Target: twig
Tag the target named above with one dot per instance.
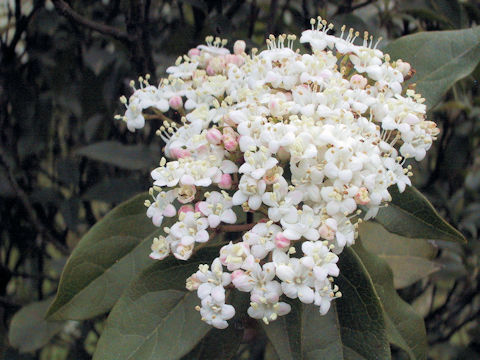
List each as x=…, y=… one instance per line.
x=236, y=227
x=64, y=9
x=28, y=206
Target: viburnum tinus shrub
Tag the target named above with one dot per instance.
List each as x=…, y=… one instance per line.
x=272, y=161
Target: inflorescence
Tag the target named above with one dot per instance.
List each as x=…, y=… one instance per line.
x=308, y=142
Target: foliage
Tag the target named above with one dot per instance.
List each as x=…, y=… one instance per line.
x=62, y=168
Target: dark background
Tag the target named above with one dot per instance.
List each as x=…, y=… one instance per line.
x=64, y=161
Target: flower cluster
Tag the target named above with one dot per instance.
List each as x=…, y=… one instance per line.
x=308, y=143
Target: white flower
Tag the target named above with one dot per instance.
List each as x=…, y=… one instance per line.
x=324, y=295
x=190, y=228
x=162, y=206
x=217, y=208
x=320, y=259
x=233, y=255
x=249, y=190
x=257, y=163
x=168, y=174
x=216, y=313
x=209, y=280
x=160, y=247
x=268, y=311
x=297, y=281
x=261, y=239
x=305, y=223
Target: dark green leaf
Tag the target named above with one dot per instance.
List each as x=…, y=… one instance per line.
x=353, y=328
x=405, y=328
x=155, y=318
x=440, y=58
x=411, y=215
x=114, y=190
x=131, y=157
x=409, y=259
x=29, y=331
x=107, y=258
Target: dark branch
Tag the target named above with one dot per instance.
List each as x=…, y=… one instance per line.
x=28, y=206
x=64, y=9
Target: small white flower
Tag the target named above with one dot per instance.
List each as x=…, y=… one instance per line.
x=249, y=190
x=268, y=311
x=233, y=255
x=261, y=239
x=320, y=259
x=217, y=208
x=210, y=279
x=216, y=313
x=305, y=224
x=297, y=281
x=162, y=206
x=190, y=228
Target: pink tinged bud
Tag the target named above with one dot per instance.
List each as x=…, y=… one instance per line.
x=178, y=153
x=239, y=47
x=210, y=70
x=361, y=197
x=193, y=52
x=230, y=143
x=197, y=207
x=234, y=59
x=358, y=81
x=236, y=274
x=175, y=102
x=214, y=136
x=185, y=209
x=281, y=241
x=225, y=182
x=326, y=232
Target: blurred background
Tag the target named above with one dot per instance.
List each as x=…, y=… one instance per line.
x=64, y=160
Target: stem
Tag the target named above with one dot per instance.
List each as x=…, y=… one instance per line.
x=236, y=227
x=65, y=9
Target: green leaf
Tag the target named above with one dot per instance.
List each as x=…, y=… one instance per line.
x=440, y=59
x=409, y=259
x=131, y=157
x=106, y=259
x=411, y=215
x=354, y=327
x=405, y=328
x=156, y=317
x=29, y=331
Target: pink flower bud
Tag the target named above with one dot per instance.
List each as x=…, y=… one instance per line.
x=175, y=102
x=281, y=241
x=328, y=229
x=230, y=143
x=225, y=182
x=234, y=59
x=239, y=47
x=193, y=52
x=214, y=136
x=185, y=209
x=197, y=207
x=358, y=82
x=210, y=71
x=179, y=153
x=236, y=274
